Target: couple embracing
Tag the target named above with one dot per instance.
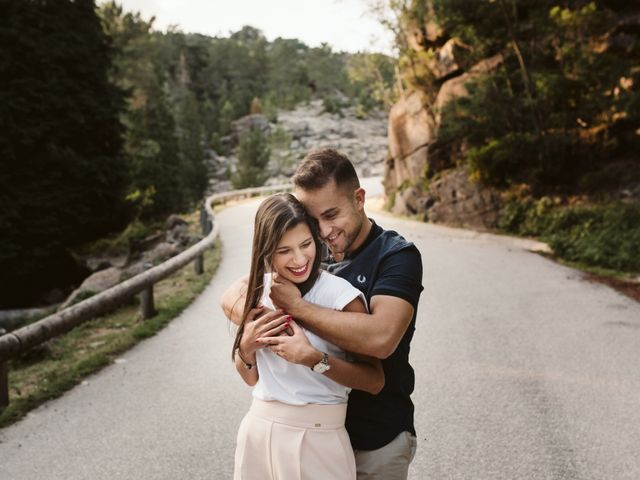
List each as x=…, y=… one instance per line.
x=325, y=341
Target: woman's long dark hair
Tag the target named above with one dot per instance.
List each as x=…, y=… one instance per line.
x=276, y=215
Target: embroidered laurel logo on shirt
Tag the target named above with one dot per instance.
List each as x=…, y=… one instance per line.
x=361, y=279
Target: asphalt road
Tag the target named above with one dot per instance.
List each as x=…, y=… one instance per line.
x=523, y=371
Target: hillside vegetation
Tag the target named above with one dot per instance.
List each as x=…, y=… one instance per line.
x=551, y=120
x=106, y=123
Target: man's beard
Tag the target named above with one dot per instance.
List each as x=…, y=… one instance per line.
x=349, y=238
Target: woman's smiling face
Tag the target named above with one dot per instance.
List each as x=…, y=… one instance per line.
x=294, y=255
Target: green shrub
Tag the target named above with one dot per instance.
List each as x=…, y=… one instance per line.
x=500, y=160
x=253, y=158
x=332, y=104
x=390, y=201
x=602, y=235
x=121, y=243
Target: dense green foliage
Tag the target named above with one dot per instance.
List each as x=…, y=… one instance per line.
x=564, y=103
x=164, y=137
x=603, y=235
x=106, y=122
x=63, y=178
x=371, y=80
x=557, y=111
x=186, y=90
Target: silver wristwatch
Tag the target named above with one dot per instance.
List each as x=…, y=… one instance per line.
x=323, y=365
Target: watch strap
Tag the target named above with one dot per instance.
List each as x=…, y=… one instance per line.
x=245, y=364
x=323, y=365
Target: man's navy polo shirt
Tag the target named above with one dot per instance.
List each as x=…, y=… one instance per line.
x=385, y=264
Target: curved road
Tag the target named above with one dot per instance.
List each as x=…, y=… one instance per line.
x=523, y=371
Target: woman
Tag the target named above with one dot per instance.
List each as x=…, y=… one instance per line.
x=295, y=426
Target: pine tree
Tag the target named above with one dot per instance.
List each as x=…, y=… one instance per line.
x=63, y=178
x=151, y=141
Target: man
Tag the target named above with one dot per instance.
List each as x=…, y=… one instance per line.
x=388, y=270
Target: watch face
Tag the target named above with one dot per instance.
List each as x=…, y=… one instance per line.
x=320, y=367
x=323, y=365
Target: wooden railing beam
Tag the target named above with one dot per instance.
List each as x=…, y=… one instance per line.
x=25, y=338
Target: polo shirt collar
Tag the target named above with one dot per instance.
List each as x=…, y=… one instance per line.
x=373, y=234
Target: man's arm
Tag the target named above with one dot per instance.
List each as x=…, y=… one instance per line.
x=376, y=334
x=395, y=294
x=363, y=373
x=233, y=299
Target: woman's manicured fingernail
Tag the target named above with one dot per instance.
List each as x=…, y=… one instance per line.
x=289, y=317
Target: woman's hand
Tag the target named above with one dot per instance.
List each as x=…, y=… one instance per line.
x=269, y=324
x=294, y=348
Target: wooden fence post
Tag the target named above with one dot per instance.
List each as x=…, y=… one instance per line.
x=4, y=380
x=146, y=303
x=146, y=299
x=199, y=264
x=206, y=224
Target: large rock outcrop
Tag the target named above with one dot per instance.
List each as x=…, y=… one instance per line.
x=454, y=200
x=409, y=134
x=417, y=154
x=456, y=86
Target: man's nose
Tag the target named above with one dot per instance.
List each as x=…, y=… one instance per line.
x=325, y=229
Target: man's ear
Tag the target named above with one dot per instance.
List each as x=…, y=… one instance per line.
x=358, y=197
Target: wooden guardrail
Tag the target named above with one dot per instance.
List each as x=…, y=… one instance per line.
x=16, y=342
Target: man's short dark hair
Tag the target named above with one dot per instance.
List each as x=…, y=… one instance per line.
x=319, y=167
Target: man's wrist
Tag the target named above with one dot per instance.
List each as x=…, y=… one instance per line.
x=296, y=309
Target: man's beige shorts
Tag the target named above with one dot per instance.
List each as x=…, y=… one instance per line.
x=390, y=462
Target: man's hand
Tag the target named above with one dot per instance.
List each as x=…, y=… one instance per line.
x=284, y=293
x=295, y=348
x=233, y=299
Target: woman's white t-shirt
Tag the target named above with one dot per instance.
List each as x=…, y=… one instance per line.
x=298, y=384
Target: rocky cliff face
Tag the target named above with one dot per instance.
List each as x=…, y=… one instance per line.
x=423, y=173
x=416, y=152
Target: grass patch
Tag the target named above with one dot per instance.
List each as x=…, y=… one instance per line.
x=46, y=372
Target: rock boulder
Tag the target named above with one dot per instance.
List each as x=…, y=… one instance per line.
x=416, y=152
x=93, y=284
x=410, y=131
x=455, y=200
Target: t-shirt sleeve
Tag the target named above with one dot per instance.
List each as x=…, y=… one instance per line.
x=400, y=275
x=347, y=296
x=343, y=293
